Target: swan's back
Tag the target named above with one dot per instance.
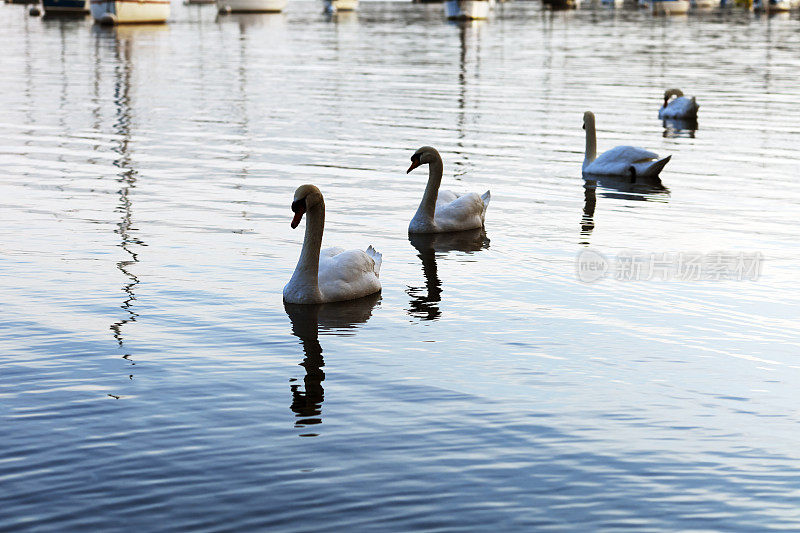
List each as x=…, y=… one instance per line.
x=618, y=160
x=681, y=107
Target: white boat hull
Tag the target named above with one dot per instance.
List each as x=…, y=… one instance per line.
x=467, y=9
x=705, y=4
x=778, y=6
x=251, y=6
x=334, y=6
x=669, y=7
x=130, y=11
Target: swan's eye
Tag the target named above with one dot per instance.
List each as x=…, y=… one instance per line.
x=299, y=206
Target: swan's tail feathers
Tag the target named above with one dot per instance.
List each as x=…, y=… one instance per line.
x=485, y=198
x=377, y=257
x=654, y=170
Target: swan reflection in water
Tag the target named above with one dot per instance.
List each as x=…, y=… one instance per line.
x=341, y=318
x=676, y=127
x=589, y=203
x=424, y=301
x=651, y=190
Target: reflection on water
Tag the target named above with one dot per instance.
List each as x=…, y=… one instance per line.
x=424, y=302
x=307, y=321
x=469, y=40
x=121, y=48
x=676, y=127
x=643, y=189
x=341, y=17
x=589, y=203
x=649, y=190
x=253, y=21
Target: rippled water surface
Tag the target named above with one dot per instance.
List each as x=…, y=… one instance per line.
x=151, y=378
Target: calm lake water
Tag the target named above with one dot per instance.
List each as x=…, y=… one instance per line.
x=151, y=378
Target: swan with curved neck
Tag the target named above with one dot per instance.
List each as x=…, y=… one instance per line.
x=629, y=162
x=681, y=107
x=444, y=211
x=332, y=274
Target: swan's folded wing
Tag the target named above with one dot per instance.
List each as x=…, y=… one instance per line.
x=329, y=252
x=465, y=212
x=682, y=107
x=347, y=274
x=630, y=154
x=446, y=197
x=618, y=160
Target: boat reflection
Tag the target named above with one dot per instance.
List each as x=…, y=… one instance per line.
x=676, y=127
x=307, y=321
x=116, y=46
x=469, y=38
x=273, y=21
x=424, y=302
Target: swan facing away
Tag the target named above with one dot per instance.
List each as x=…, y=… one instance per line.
x=444, y=211
x=681, y=106
x=332, y=274
x=622, y=161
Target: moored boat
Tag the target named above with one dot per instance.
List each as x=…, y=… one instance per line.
x=334, y=6
x=55, y=7
x=251, y=6
x=129, y=11
x=669, y=7
x=772, y=6
x=467, y=9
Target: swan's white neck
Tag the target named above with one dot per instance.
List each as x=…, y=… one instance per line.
x=427, y=207
x=305, y=279
x=591, y=143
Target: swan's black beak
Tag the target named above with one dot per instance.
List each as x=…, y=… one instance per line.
x=299, y=207
x=415, y=162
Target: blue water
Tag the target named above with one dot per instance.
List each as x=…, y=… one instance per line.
x=151, y=378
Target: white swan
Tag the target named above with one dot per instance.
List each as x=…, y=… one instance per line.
x=681, y=107
x=333, y=274
x=444, y=211
x=624, y=161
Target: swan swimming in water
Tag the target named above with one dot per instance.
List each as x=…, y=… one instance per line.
x=444, y=211
x=332, y=274
x=624, y=161
x=680, y=107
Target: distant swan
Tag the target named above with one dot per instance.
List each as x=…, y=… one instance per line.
x=624, y=161
x=681, y=107
x=333, y=274
x=444, y=211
